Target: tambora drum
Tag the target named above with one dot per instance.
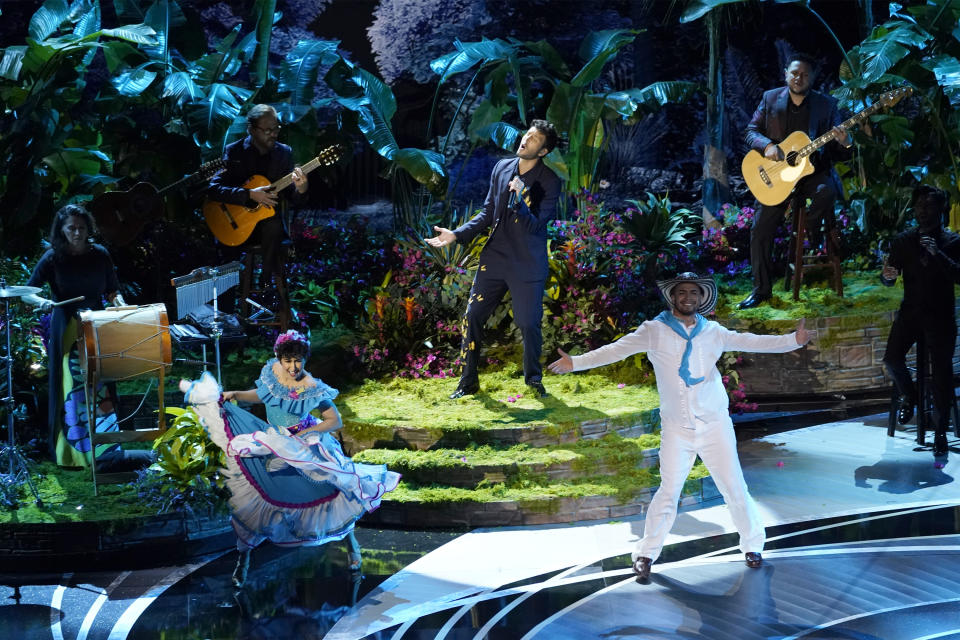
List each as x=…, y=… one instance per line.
x=124, y=342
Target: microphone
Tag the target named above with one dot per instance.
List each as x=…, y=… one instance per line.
x=514, y=199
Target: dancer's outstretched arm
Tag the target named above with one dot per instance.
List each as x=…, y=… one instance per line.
x=250, y=395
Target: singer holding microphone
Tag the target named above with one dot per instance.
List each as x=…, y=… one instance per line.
x=520, y=203
x=80, y=274
x=928, y=257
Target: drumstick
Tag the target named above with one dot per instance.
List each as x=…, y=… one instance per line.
x=70, y=301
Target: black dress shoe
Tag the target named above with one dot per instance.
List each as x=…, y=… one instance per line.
x=754, y=560
x=641, y=570
x=465, y=389
x=940, y=444
x=905, y=412
x=538, y=389
x=753, y=300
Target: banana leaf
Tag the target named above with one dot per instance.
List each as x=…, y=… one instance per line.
x=181, y=87
x=12, y=62
x=946, y=69
x=47, y=19
x=373, y=102
x=888, y=45
x=265, y=16
x=652, y=97
x=163, y=16
x=470, y=54
x=88, y=23
x=696, y=9
x=299, y=71
x=552, y=60
x=597, y=48
x=116, y=53
x=69, y=163
x=133, y=82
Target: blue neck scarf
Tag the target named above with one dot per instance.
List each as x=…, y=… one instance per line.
x=667, y=318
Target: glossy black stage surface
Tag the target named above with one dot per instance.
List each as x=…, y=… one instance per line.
x=886, y=575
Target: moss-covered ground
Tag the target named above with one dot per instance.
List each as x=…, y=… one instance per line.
x=862, y=292
x=67, y=496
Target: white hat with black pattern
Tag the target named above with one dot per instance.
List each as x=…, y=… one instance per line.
x=707, y=285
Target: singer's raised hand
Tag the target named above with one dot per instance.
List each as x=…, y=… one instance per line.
x=442, y=239
x=516, y=185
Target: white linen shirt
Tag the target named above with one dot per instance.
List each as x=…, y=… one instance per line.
x=681, y=405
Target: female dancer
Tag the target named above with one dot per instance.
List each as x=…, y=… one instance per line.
x=289, y=480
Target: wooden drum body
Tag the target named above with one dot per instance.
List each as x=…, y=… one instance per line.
x=124, y=342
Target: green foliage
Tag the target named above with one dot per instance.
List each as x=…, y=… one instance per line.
x=186, y=474
x=658, y=228
x=543, y=83
x=920, y=141
x=26, y=341
x=184, y=451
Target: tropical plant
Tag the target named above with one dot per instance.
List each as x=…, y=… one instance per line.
x=186, y=475
x=50, y=143
x=716, y=189
x=576, y=103
x=659, y=231
x=916, y=47
x=374, y=104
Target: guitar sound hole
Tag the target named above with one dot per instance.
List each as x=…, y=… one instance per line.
x=792, y=158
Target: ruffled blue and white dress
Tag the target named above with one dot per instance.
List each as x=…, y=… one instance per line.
x=294, y=489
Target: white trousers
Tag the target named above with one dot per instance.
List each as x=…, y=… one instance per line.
x=716, y=445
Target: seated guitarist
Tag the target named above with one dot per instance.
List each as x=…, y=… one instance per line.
x=795, y=107
x=260, y=154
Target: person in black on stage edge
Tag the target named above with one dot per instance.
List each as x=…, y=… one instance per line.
x=261, y=154
x=928, y=257
x=520, y=203
x=795, y=107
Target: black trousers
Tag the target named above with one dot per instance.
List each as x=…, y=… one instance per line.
x=485, y=294
x=940, y=337
x=818, y=188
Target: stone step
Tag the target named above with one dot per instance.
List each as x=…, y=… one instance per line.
x=469, y=468
x=358, y=435
x=547, y=509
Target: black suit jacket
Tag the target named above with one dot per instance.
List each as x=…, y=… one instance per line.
x=518, y=236
x=768, y=124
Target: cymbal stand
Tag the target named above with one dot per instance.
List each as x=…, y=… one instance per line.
x=17, y=471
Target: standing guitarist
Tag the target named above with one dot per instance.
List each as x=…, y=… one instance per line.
x=260, y=154
x=795, y=107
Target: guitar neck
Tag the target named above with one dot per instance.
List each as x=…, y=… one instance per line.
x=201, y=173
x=287, y=180
x=846, y=125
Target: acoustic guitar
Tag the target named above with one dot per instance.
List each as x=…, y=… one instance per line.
x=771, y=181
x=232, y=224
x=121, y=215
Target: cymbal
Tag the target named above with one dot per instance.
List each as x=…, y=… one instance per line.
x=18, y=291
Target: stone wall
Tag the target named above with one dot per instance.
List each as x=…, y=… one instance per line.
x=845, y=355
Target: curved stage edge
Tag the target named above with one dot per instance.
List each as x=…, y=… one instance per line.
x=863, y=542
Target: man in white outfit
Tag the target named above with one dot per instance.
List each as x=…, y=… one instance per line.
x=684, y=347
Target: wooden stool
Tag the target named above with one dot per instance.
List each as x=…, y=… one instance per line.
x=253, y=260
x=803, y=263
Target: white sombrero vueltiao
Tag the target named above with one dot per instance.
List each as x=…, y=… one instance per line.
x=707, y=285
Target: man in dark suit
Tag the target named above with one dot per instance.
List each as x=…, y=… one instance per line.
x=928, y=256
x=521, y=201
x=261, y=154
x=795, y=107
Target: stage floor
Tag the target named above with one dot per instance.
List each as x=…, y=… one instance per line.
x=863, y=542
